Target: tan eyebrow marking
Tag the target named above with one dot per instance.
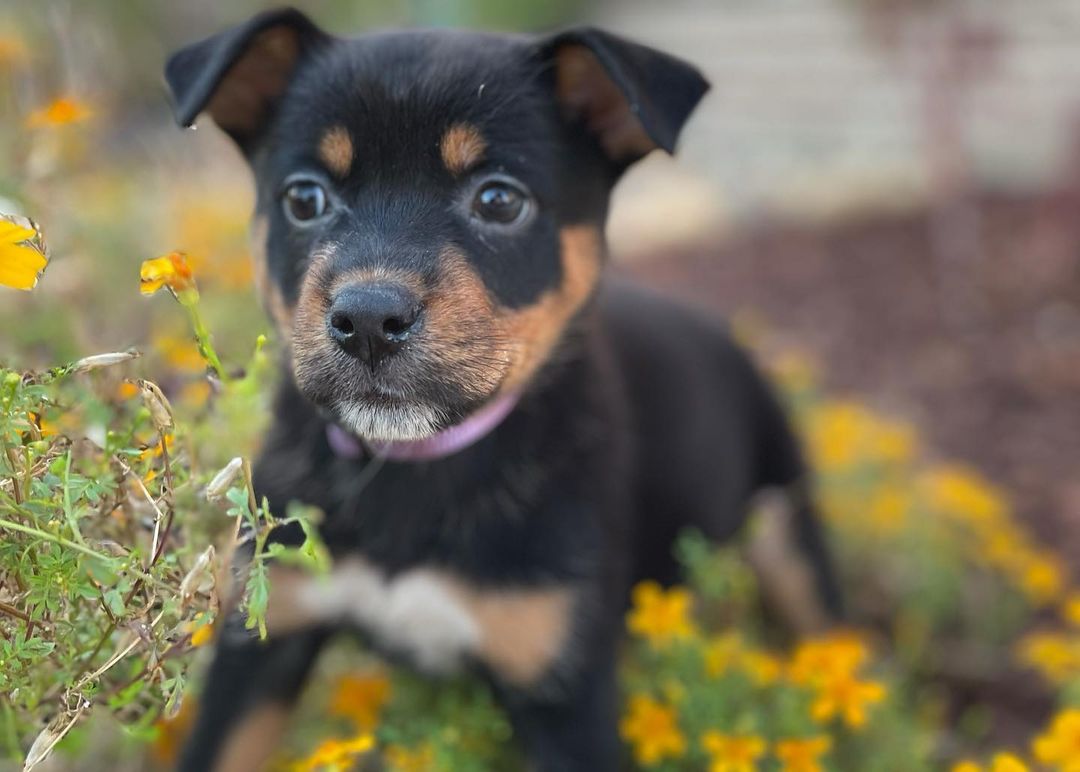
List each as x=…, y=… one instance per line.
x=462, y=147
x=336, y=150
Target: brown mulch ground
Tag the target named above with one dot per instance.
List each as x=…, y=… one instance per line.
x=981, y=348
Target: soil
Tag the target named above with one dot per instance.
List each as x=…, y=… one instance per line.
x=963, y=318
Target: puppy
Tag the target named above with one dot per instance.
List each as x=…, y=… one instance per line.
x=501, y=441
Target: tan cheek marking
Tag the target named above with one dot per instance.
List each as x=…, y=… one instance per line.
x=462, y=147
x=465, y=340
x=266, y=287
x=253, y=741
x=535, y=330
x=522, y=632
x=336, y=150
x=309, y=336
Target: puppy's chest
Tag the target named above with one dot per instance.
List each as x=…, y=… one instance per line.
x=435, y=619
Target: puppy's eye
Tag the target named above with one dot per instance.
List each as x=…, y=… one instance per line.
x=502, y=202
x=304, y=201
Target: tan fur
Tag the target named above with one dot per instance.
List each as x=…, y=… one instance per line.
x=534, y=331
x=250, y=745
x=584, y=89
x=462, y=147
x=336, y=150
x=523, y=632
x=786, y=577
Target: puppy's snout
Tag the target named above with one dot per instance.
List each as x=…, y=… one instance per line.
x=372, y=321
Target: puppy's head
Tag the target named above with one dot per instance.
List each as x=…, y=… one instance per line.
x=430, y=204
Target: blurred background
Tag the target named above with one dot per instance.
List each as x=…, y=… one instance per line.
x=890, y=188
x=891, y=184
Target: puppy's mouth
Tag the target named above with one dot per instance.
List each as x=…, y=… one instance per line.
x=381, y=418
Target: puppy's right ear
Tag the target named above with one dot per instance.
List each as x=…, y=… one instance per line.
x=237, y=76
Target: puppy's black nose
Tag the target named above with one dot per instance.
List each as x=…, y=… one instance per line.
x=372, y=321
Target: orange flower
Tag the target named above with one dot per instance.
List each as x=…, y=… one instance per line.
x=360, y=698
x=802, y=755
x=846, y=697
x=336, y=755
x=59, y=112
x=660, y=616
x=730, y=753
x=652, y=729
x=21, y=259
x=171, y=271
x=1060, y=744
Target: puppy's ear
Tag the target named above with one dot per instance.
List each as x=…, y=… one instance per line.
x=238, y=75
x=634, y=99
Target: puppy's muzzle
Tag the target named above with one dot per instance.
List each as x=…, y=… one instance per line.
x=373, y=321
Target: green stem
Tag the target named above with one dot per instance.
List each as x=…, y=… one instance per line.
x=202, y=335
x=31, y=531
x=69, y=514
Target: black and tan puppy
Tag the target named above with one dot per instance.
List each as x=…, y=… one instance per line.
x=501, y=445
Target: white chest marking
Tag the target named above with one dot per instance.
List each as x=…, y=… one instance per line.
x=416, y=613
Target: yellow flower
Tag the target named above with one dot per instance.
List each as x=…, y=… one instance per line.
x=846, y=697
x=1042, y=578
x=660, y=616
x=1054, y=655
x=1060, y=744
x=402, y=759
x=965, y=766
x=171, y=270
x=836, y=433
x=730, y=753
x=763, y=669
x=360, y=698
x=894, y=442
x=1007, y=762
x=827, y=657
x=335, y=755
x=802, y=755
x=963, y=494
x=652, y=730
x=1070, y=609
x=203, y=635
x=60, y=112
x=21, y=261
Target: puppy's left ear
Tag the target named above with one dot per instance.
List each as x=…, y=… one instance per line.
x=238, y=75
x=632, y=98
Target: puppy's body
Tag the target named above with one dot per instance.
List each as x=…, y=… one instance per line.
x=453, y=188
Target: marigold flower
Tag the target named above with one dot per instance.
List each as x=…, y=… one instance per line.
x=360, y=698
x=660, y=616
x=652, y=730
x=60, y=112
x=202, y=636
x=731, y=753
x=1007, y=762
x=827, y=657
x=336, y=755
x=1060, y=744
x=171, y=271
x=1055, y=656
x=22, y=256
x=846, y=697
x=1070, y=609
x=802, y=754
x=1042, y=579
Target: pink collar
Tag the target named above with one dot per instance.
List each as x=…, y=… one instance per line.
x=444, y=443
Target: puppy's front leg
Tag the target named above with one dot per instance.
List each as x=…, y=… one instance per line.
x=249, y=692
x=575, y=729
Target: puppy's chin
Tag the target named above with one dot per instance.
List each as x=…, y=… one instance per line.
x=389, y=422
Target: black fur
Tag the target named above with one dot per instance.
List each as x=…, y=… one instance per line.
x=644, y=418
